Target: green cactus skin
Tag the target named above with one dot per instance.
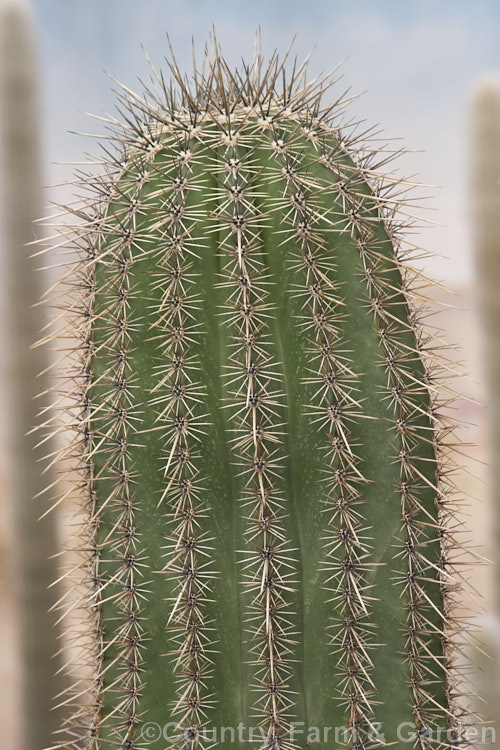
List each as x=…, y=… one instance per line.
x=34, y=566
x=486, y=206
x=269, y=538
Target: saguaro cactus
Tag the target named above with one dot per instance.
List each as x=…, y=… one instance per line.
x=269, y=544
x=33, y=561
x=486, y=197
x=486, y=205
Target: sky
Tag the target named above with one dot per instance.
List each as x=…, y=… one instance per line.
x=418, y=63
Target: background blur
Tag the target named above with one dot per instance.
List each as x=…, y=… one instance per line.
x=420, y=62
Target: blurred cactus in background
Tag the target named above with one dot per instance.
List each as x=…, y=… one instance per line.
x=486, y=214
x=31, y=563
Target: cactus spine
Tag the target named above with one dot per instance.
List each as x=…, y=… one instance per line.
x=269, y=535
x=34, y=567
x=486, y=206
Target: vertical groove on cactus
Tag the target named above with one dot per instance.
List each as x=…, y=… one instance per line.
x=269, y=541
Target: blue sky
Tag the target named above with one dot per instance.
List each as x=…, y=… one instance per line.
x=418, y=61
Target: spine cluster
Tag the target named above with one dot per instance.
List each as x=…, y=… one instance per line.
x=334, y=406
x=92, y=575
x=177, y=396
x=256, y=405
x=427, y=581
x=114, y=406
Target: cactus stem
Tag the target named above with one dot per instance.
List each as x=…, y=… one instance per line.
x=263, y=448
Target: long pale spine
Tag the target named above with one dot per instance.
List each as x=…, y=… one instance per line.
x=264, y=462
x=33, y=565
